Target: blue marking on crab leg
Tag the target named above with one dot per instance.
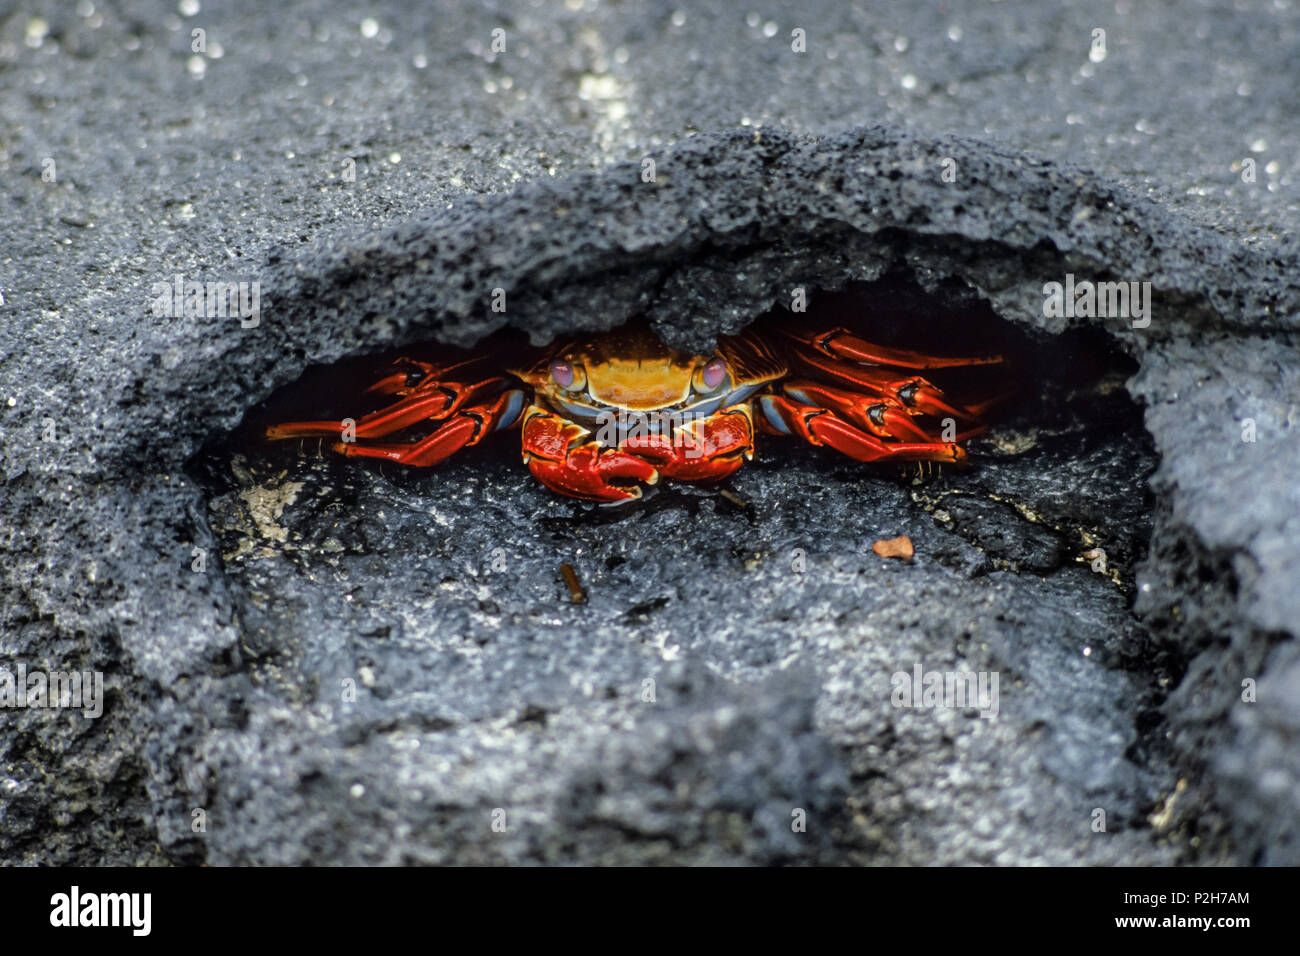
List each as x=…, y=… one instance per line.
x=579, y=413
x=741, y=394
x=772, y=417
x=734, y=397
x=513, y=410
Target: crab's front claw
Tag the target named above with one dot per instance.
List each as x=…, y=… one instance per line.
x=560, y=457
x=604, y=475
x=706, y=449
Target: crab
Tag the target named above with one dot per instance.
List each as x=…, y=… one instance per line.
x=606, y=415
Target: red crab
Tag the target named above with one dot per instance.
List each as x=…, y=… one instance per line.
x=606, y=413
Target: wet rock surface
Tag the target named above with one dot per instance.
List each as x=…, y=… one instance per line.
x=369, y=665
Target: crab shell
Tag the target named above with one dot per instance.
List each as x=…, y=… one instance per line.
x=631, y=370
x=618, y=410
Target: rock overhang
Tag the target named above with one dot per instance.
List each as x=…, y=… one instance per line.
x=729, y=225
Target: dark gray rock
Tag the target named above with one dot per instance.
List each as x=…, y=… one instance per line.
x=377, y=667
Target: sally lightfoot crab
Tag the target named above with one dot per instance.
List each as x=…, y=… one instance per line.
x=603, y=415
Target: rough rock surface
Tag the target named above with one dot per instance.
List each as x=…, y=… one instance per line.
x=382, y=667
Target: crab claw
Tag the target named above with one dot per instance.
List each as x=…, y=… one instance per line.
x=559, y=456
x=590, y=472
x=706, y=449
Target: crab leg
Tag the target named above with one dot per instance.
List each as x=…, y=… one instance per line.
x=425, y=374
x=843, y=356
x=436, y=400
x=876, y=414
x=468, y=426
x=820, y=426
x=840, y=343
x=375, y=425
x=912, y=393
x=558, y=455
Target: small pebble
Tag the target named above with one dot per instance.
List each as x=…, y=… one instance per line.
x=900, y=547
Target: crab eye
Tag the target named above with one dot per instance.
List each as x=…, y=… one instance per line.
x=562, y=373
x=714, y=373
